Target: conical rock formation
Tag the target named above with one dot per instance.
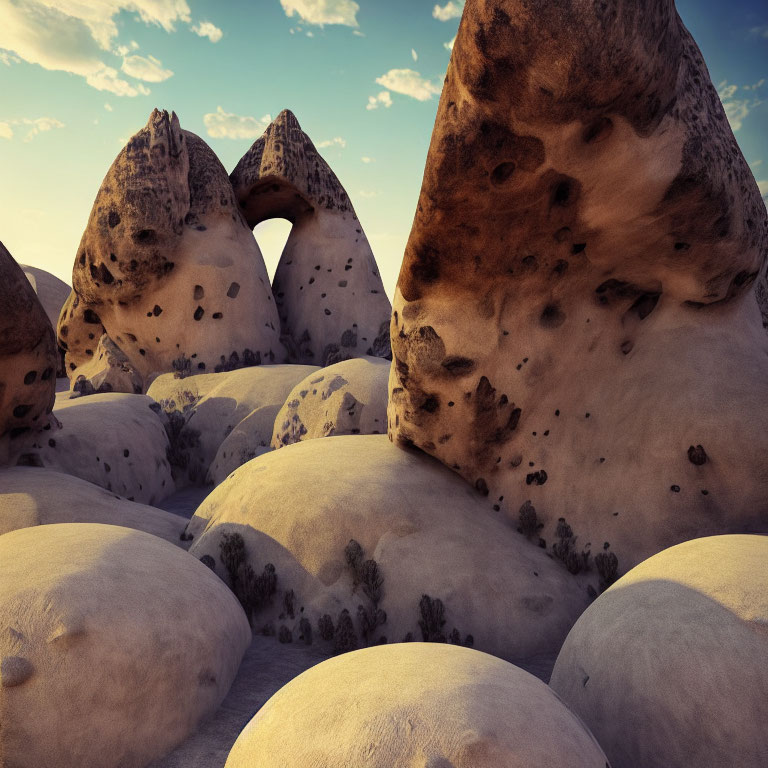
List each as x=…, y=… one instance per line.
x=575, y=320
x=167, y=265
x=327, y=286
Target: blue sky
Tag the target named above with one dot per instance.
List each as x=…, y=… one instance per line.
x=77, y=78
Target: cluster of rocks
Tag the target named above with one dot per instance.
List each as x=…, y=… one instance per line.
x=557, y=487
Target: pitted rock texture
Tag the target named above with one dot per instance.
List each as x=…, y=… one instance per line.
x=167, y=266
x=35, y=496
x=79, y=331
x=218, y=421
x=113, y=440
x=109, y=370
x=115, y=646
x=329, y=294
x=28, y=361
x=667, y=667
x=576, y=305
x=415, y=704
x=348, y=398
x=427, y=530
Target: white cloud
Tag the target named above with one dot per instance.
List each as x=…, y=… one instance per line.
x=414, y=54
x=33, y=127
x=206, y=29
x=759, y=31
x=9, y=58
x=409, y=83
x=321, y=12
x=755, y=86
x=366, y=193
x=737, y=109
x=451, y=10
x=763, y=187
x=226, y=125
x=449, y=45
x=335, y=142
x=383, y=99
x=368, y=160
x=124, y=50
x=146, y=68
x=108, y=106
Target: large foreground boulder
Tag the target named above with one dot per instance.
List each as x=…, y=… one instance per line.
x=348, y=398
x=33, y=496
x=428, y=532
x=327, y=286
x=113, y=440
x=167, y=265
x=218, y=421
x=415, y=704
x=116, y=645
x=668, y=666
x=574, y=320
x=28, y=361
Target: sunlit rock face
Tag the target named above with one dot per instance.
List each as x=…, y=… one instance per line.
x=415, y=704
x=575, y=320
x=327, y=286
x=115, y=646
x=167, y=266
x=668, y=666
x=28, y=361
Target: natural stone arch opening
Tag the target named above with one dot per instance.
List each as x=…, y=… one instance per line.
x=271, y=235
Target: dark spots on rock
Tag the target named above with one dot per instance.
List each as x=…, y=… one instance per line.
x=133, y=265
x=91, y=317
x=644, y=305
x=30, y=377
x=680, y=246
x=349, y=338
x=20, y=411
x=557, y=412
x=145, y=237
x=697, y=455
x=168, y=267
x=627, y=346
x=113, y=219
x=72, y=366
x=89, y=352
x=51, y=442
x=343, y=284
x=157, y=310
x=126, y=453
x=63, y=331
x=157, y=339
x=546, y=433
x=47, y=373
x=323, y=295
x=327, y=311
x=533, y=433
x=82, y=259
x=17, y=432
x=459, y=366
x=602, y=459
x=552, y=316
x=431, y=404
x=425, y=264
x=563, y=193
x=91, y=336
x=578, y=248
x=107, y=468
x=451, y=403
x=560, y=267
x=131, y=337
x=704, y=492
x=201, y=366
x=562, y=234
x=481, y=486
x=674, y=488
x=199, y=293
x=217, y=315
x=502, y=173
x=598, y=130
x=587, y=415
x=347, y=267
x=199, y=312
x=233, y=290
x=529, y=262
x=142, y=352
x=536, y=478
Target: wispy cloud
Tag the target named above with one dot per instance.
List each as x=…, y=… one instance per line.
x=108, y=107
x=383, y=99
x=335, y=142
x=367, y=193
x=146, y=68
x=367, y=160
x=737, y=109
x=759, y=31
x=449, y=45
x=77, y=37
x=414, y=55
x=322, y=12
x=32, y=127
x=206, y=29
x=409, y=83
x=227, y=125
x=451, y=10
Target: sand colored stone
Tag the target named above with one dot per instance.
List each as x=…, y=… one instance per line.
x=348, y=398
x=415, y=704
x=167, y=265
x=34, y=496
x=114, y=440
x=224, y=419
x=668, y=666
x=430, y=534
x=51, y=291
x=115, y=646
x=109, y=370
x=28, y=361
x=575, y=320
x=327, y=286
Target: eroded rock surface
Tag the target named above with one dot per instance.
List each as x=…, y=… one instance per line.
x=575, y=310
x=329, y=294
x=28, y=361
x=414, y=704
x=167, y=266
x=115, y=646
x=667, y=666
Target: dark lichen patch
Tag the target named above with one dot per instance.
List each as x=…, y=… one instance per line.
x=552, y=316
x=233, y=290
x=536, y=478
x=198, y=293
x=502, y=173
x=697, y=455
x=157, y=310
x=90, y=317
x=459, y=366
x=199, y=312
x=30, y=377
